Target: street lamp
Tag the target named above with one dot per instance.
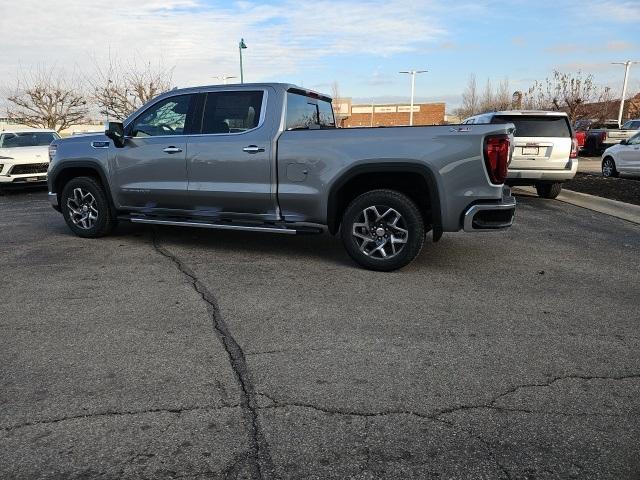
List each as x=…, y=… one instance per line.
x=413, y=74
x=627, y=65
x=241, y=46
x=224, y=78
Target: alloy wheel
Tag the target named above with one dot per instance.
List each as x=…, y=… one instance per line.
x=607, y=167
x=380, y=232
x=83, y=208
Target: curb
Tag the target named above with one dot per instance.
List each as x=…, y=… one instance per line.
x=614, y=208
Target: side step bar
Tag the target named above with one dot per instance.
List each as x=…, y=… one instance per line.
x=223, y=226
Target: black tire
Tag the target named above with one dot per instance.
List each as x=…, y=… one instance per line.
x=408, y=218
x=609, y=167
x=96, y=197
x=548, y=190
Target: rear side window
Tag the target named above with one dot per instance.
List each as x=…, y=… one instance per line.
x=536, y=126
x=301, y=112
x=231, y=112
x=308, y=113
x=325, y=115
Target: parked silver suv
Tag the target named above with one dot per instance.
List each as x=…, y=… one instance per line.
x=545, y=152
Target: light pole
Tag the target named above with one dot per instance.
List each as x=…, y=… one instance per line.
x=413, y=74
x=627, y=65
x=224, y=78
x=241, y=46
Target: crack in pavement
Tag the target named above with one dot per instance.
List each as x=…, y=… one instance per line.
x=437, y=416
x=263, y=465
x=113, y=413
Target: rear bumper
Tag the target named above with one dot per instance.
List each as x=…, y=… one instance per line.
x=530, y=176
x=496, y=215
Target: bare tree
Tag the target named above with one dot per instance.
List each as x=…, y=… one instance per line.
x=335, y=95
x=576, y=94
x=120, y=89
x=491, y=99
x=46, y=99
x=470, y=101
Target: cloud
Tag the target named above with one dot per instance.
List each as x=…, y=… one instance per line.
x=201, y=39
x=618, y=46
x=562, y=48
x=620, y=10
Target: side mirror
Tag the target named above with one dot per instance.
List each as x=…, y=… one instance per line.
x=115, y=131
x=624, y=142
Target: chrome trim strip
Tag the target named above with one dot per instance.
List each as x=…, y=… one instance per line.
x=508, y=204
x=213, y=225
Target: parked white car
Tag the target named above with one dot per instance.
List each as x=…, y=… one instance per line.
x=545, y=152
x=24, y=156
x=622, y=158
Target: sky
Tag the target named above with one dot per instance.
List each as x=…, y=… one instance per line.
x=361, y=45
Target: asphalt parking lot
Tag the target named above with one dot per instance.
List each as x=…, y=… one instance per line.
x=168, y=353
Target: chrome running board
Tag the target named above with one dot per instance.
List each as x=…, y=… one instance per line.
x=221, y=226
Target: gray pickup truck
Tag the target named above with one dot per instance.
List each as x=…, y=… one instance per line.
x=267, y=157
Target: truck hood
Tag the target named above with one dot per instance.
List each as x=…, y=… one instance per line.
x=38, y=154
x=84, y=138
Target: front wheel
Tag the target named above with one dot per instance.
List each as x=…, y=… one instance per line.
x=382, y=230
x=548, y=190
x=86, y=209
x=609, y=168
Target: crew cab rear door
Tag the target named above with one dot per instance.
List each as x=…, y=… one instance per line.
x=229, y=160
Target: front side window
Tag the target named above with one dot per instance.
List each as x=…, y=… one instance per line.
x=635, y=140
x=167, y=117
x=231, y=112
x=27, y=139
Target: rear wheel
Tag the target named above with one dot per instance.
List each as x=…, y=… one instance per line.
x=609, y=167
x=382, y=230
x=86, y=209
x=548, y=190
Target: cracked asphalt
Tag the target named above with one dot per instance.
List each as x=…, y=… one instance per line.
x=179, y=353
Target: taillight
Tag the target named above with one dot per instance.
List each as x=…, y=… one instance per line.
x=603, y=136
x=574, y=148
x=496, y=157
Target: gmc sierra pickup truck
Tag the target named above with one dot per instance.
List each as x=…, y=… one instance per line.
x=267, y=157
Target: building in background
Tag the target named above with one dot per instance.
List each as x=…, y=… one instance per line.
x=386, y=115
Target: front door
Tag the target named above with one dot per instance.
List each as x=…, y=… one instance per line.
x=229, y=162
x=150, y=170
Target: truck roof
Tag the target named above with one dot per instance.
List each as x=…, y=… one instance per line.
x=525, y=112
x=244, y=86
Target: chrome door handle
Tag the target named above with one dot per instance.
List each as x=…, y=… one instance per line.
x=172, y=150
x=253, y=149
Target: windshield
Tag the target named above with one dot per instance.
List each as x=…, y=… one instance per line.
x=631, y=125
x=27, y=139
x=536, y=126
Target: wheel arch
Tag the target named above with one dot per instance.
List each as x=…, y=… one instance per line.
x=362, y=178
x=85, y=168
